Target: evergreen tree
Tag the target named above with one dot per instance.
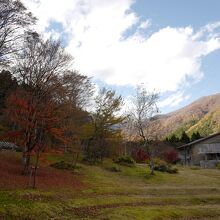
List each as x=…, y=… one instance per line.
x=172, y=139
x=184, y=138
x=7, y=85
x=195, y=136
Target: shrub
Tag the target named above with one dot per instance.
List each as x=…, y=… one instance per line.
x=171, y=156
x=91, y=161
x=63, y=166
x=162, y=166
x=172, y=170
x=218, y=166
x=125, y=160
x=114, y=169
x=195, y=168
x=158, y=161
x=140, y=156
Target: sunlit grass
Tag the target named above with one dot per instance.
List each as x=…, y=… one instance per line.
x=129, y=194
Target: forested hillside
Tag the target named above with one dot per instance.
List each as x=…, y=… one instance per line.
x=201, y=116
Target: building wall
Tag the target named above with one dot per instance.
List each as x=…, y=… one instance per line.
x=212, y=145
x=195, y=156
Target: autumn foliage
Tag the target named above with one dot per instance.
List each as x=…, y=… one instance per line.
x=171, y=156
x=140, y=155
x=47, y=178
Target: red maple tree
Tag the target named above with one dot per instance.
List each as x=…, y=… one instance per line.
x=38, y=121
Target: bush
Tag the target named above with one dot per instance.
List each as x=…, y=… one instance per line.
x=158, y=161
x=195, y=168
x=162, y=166
x=172, y=170
x=171, y=156
x=218, y=166
x=125, y=160
x=140, y=156
x=114, y=169
x=91, y=161
x=63, y=166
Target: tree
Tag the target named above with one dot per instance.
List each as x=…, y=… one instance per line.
x=79, y=89
x=38, y=67
x=104, y=123
x=36, y=123
x=77, y=94
x=40, y=63
x=172, y=139
x=74, y=122
x=7, y=85
x=195, y=136
x=184, y=138
x=144, y=108
x=14, y=19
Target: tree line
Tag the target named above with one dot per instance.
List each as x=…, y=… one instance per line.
x=184, y=138
x=45, y=103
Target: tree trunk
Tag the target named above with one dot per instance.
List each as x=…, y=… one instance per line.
x=35, y=169
x=74, y=160
x=101, y=149
x=88, y=149
x=73, y=157
x=151, y=166
x=26, y=161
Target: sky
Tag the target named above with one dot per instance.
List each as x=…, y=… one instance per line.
x=171, y=46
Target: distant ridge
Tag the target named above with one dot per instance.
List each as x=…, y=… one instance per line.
x=202, y=115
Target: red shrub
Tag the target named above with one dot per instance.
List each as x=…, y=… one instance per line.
x=171, y=156
x=140, y=156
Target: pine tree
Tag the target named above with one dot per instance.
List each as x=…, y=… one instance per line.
x=184, y=138
x=195, y=136
x=173, y=139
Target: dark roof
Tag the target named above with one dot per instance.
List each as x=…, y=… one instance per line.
x=199, y=140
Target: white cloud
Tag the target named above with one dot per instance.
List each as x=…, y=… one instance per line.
x=173, y=100
x=166, y=60
x=145, y=24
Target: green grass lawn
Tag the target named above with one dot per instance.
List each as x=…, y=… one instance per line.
x=129, y=194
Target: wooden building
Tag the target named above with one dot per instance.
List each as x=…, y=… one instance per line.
x=204, y=152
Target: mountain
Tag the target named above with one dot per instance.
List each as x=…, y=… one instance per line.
x=203, y=116
x=209, y=124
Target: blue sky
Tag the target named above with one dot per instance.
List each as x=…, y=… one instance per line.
x=195, y=13
x=179, y=13
x=171, y=46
